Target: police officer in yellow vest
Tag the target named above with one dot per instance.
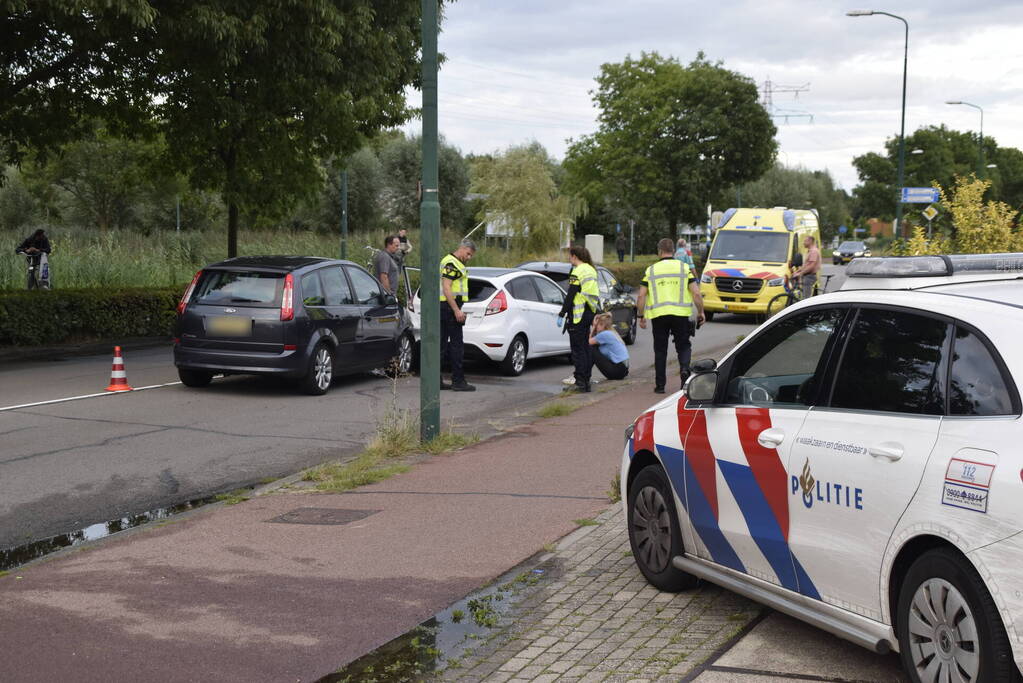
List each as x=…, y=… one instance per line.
x=581, y=303
x=454, y=291
x=666, y=299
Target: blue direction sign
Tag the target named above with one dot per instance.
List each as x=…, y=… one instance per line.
x=919, y=195
x=842, y=229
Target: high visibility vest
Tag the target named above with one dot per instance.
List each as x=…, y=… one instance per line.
x=454, y=270
x=585, y=276
x=667, y=284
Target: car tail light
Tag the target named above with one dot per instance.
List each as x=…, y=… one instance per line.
x=188, y=293
x=498, y=304
x=287, y=308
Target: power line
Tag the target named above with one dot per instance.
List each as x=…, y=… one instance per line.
x=767, y=93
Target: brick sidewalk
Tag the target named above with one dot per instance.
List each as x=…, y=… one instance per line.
x=601, y=621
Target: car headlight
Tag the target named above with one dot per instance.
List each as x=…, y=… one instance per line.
x=858, y=253
x=706, y=278
x=776, y=282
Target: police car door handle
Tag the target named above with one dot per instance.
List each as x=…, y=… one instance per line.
x=771, y=438
x=892, y=451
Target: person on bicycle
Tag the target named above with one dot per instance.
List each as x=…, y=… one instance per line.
x=34, y=246
x=807, y=273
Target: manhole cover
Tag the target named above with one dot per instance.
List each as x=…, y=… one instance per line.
x=325, y=516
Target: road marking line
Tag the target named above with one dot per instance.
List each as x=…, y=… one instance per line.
x=78, y=398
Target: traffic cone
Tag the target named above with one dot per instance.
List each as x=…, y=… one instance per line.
x=118, y=377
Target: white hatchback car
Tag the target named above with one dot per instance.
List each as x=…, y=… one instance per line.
x=853, y=463
x=511, y=316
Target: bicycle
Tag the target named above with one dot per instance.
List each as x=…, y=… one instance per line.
x=38, y=270
x=791, y=295
x=794, y=293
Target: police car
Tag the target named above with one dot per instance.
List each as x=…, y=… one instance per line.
x=853, y=463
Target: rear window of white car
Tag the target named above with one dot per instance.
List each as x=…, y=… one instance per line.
x=480, y=290
x=244, y=288
x=977, y=385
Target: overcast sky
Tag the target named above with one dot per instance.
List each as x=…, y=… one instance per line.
x=520, y=70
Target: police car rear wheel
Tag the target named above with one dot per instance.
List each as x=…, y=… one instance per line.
x=948, y=626
x=654, y=531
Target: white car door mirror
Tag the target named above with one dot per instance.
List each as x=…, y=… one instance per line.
x=700, y=387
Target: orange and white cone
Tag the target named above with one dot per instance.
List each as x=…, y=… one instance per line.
x=118, y=377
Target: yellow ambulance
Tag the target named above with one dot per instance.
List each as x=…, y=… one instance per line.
x=753, y=250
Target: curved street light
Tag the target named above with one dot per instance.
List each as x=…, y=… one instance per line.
x=980, y=145
x=902, y=129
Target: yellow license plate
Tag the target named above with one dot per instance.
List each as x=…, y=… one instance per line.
x=230, y=326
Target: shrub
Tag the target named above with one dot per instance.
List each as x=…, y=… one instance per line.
x=41, y=318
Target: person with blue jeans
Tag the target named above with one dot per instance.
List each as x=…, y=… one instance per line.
x=610, y=357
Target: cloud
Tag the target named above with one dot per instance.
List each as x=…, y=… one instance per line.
x=523, y=70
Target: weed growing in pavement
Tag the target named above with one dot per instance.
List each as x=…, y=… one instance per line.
x=585, y=522
x=557, y=409
x=457, y=616
x=233, y=497
x=614, y=492
x=396, y=437
x=550, y=547
x=3, y=574
x=482, y=611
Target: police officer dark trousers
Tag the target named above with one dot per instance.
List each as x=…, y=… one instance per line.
x=666, y=298
x=581, y=303
x=454, y=281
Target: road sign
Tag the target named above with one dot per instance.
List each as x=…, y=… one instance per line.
x=919, y=195
x=842, y=229
x=929, y=213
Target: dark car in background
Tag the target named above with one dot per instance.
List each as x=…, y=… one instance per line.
x=615, y=297
x=301, y=317
x=847, y=251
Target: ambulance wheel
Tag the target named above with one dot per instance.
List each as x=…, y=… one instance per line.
x=654, y=531
x=948, y=626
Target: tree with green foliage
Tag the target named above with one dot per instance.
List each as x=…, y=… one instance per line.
x=253, y=94
x=670, y=137
x=799, y=188
x=65, y=63
x=401, y=158
x=520, y=195
x=944, y=154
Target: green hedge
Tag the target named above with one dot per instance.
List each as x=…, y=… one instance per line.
x=42, y=318
x=632, y=273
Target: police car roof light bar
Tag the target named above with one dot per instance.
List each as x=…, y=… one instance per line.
x=936, y=266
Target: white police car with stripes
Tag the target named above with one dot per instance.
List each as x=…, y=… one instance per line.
x=854, y=463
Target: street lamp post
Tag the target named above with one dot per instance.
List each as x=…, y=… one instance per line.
x=980, y=140
x=902, y=129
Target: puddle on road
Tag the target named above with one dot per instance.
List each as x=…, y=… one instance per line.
x=440, y=642
x=22, y=554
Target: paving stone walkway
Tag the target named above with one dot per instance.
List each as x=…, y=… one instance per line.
x=599, y=620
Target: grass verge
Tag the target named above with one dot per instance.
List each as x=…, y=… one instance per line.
x=557, y=409
x=396, y=437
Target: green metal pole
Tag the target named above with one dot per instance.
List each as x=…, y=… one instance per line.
x=344, y=214
x=429, y=217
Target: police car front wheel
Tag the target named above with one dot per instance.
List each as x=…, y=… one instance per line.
x=948, y=626
x=654, y=531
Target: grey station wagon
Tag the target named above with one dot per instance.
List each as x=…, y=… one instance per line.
x=292, y=316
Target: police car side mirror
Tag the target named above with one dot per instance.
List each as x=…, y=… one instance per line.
x=700, y=388
x=704, y=365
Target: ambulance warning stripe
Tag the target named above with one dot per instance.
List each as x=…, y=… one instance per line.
x=764, y=462
x=735, y=272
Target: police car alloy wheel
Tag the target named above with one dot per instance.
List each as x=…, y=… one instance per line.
x=948, y=626
x=654, y=531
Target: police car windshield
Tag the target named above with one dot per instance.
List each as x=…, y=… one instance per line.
x=751, y=245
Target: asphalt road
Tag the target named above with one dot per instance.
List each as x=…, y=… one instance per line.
x=67, y=465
